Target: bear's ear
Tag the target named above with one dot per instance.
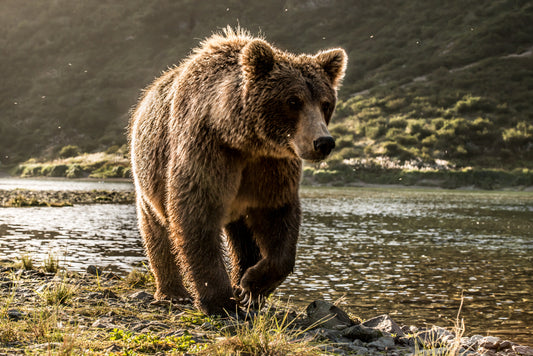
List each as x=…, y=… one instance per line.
x=257, y=59
x=333, y=62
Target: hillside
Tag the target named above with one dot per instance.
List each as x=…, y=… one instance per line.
x=428, y=82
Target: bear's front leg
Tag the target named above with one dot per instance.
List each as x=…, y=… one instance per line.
x=276, y=233
x=195, y=227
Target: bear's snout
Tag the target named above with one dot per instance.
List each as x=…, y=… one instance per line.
x=324, y=145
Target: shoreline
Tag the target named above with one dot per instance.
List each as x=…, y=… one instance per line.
x=99, y=313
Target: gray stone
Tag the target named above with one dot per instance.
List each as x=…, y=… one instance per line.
x=326, y=315
x=471, y=343
x=95, y=271
x=14, y=314
x=504, y=345
x=360, y=350
x=361, y=332
x=383, y=343
x=141, y=296
x=104, y=323
x=490, y=342
x=523, y=350
x=386, y=324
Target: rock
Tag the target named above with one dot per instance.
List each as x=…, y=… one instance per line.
x=361, y=332
x=490, y=342
x=141, y=296
x=360, y=350
x=486, y=352
x=104, y=323
x=383, y=343
x=326, y=334
x=95, y=271
x=386, y=324
x=326, y=315
x=504, y=345
x=523, y=350
x=14, y=314
x=471, y=343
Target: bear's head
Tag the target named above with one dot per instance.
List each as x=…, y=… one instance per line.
x=292, y=98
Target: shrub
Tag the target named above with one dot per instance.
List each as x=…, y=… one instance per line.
x=59, y=170
x=398, y=122
x=74, y=171
x=374, y=132
x=69, y=151
x=31, y=171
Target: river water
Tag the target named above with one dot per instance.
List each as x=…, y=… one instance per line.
x=410, y=253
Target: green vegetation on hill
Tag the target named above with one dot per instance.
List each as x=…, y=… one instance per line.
x=437, y=84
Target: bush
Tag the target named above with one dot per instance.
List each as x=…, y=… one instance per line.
x=74, y=171
x=59, y=170
x=69, y=151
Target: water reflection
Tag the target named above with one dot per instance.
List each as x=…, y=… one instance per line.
x=408, y=253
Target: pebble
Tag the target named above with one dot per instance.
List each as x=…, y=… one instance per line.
x=15, y=314
x=142, y=296
x=326, y=315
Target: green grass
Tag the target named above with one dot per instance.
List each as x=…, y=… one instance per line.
x=93, y=165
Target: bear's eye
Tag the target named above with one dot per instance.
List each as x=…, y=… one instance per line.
x=295, y=103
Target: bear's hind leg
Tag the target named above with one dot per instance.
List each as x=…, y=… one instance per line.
x=168, y=278
x=244, y=252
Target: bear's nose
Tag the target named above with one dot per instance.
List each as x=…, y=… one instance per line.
x=324, y=144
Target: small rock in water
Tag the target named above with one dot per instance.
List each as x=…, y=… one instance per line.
x=386, y=324
x=326, y=315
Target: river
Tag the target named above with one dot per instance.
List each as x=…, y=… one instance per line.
x=409, y=253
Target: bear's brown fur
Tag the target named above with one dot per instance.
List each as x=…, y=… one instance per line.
x=216, y=147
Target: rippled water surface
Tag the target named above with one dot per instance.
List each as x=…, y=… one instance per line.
x=408, y=253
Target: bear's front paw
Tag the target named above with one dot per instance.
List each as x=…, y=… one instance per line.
x=246, y=299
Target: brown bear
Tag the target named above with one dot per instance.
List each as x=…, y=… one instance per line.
x=217, y=145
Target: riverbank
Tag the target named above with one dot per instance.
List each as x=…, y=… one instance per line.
x=27, y=197
x=340, y=175
x=47, y=310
